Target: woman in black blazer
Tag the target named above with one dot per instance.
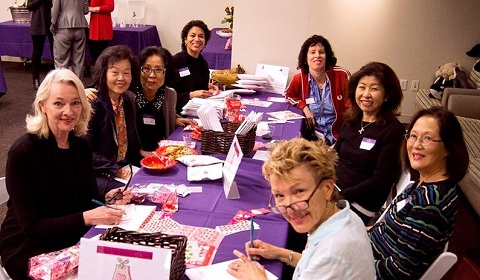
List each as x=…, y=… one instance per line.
x=112, y=131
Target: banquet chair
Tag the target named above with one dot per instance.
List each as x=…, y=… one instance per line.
x=402, y=183
x=3, y=272
x=440, y=266
x=3, y=191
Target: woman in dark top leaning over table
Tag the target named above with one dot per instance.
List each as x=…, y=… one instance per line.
x=192, y=69
x=112, y=131
x=420, y=220
x=370, y=139
x=156, y=115
x=50, y=179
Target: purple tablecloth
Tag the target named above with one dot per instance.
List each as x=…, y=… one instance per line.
x=3, y=83
x=215, y=53
x=15, y=39
x=210, y=208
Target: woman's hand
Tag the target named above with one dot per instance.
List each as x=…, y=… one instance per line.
x=309, y=118
x=213, y=87
x=103, y=216
x=123, y=173
x=245, y=269
x=262, y=249
x=200, y=94
x=184, y=122
x=119, y=196
x=91, y=94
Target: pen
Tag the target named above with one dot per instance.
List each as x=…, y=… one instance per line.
x=251, y=234
x=103, y=204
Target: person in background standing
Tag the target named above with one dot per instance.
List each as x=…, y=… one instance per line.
x=319, y=90
x=39, y=29
x=101, y=26
x=68, y=28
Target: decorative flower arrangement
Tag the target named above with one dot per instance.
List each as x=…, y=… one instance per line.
x=229, y=17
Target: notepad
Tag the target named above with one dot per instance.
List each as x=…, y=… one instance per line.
x=134, y=218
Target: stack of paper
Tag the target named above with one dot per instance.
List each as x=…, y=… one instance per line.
x=251, y=82
x=250, y=121
x=190, y=109
x=209, y=117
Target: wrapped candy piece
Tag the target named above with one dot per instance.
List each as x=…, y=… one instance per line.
x=54, y=265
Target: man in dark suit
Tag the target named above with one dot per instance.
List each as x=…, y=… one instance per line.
x=68, y=28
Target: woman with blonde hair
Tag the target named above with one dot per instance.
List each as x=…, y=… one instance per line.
x=50, y=179
x=302, y=175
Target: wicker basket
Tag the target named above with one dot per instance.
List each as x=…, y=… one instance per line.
x=20, y=14
x=214, y=142
x=177, y=243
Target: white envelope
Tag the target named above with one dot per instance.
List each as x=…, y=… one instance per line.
x=202, y=173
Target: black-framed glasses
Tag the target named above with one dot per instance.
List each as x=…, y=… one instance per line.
x=157, y=71
x=295, y=206
x=118, y=195
x=425, y=140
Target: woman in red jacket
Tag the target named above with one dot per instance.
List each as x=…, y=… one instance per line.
x=319, y=89
x=101, y=26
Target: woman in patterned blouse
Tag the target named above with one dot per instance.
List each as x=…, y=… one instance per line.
x=112, y=130
x=420, y=220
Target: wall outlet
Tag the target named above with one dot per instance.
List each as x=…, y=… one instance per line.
x=415, y=85
x=403, y=84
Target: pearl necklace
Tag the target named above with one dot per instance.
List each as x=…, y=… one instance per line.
x=362, y=128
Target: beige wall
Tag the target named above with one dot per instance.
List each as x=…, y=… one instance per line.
x=413, y=36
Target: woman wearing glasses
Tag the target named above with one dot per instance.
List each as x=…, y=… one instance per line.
x=112, y=131
x=302, y=175
x=420, y=220
x=369, y=142
x=156, y=115
x=50, y=179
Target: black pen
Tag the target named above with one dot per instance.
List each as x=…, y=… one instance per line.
x=103, y=204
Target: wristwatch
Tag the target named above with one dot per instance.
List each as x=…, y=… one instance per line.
x=290, y=256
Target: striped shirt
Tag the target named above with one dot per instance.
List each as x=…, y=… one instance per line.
x=416, y=228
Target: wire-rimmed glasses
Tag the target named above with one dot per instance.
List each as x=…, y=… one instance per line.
x=295, y=206
x=425, y=140
x=118, y=195
x=156, y=71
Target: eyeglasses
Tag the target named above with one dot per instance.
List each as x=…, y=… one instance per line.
x=296, y=206
x=118, y=195
x=425, y=140
x=157, y=71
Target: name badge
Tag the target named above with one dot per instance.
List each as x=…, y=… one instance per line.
x=148, y=119
x=401, y=204
x=367, y=143
x=309, y=100
x=184, y=72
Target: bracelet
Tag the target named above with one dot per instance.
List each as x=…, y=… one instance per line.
x=290, y=257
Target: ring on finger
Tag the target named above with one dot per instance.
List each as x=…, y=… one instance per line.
x=236, y=266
